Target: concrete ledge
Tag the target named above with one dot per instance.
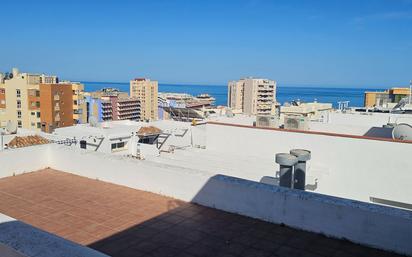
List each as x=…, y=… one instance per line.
x=367, y=224
x=32, y=242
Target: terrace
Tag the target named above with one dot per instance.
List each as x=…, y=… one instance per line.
x=120, y=221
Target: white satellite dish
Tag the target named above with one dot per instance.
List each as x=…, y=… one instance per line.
x=93, y=121
x=402, y=131
x=11, y=127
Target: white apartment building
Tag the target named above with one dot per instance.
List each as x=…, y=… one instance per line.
x=146, y=91
x=252, y=96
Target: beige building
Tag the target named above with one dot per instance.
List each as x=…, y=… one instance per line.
x=383, y=98
x=146, y=91
x=235, y=95
x=21, y=95
x=252, y=96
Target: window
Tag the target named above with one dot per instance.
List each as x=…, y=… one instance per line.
x=18, y=92
x=33, y=124
x=118, y=146
x=18, y=104
x=38, y=115
x=38, y=104
x=38, y=125
x=19, y=124
x=18, y=114
x=37, y=93
x=75, y=102
x=33, y=113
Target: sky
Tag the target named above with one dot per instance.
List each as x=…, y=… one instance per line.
x=359, y=43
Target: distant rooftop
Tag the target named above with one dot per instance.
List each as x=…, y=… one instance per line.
x=24, y=141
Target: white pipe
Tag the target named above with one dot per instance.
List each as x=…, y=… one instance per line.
x=1, y=141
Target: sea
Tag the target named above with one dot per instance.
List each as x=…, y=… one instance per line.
x=284, y=93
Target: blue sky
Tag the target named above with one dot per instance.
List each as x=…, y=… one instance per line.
x=314, y=42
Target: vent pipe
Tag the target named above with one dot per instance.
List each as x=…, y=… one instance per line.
x=299, y=174
x=286, y=162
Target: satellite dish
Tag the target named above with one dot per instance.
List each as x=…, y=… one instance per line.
x=93, y=121
x=11, y=127
x=402, y=131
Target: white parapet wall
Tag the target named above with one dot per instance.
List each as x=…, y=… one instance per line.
x=348, y=167
x=28, y=159
x=364, y=223
x=368, y=224
x=33, y=242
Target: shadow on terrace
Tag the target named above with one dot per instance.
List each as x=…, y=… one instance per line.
x=121, y=221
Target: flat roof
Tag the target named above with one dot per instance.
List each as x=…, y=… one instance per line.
x=121, y=221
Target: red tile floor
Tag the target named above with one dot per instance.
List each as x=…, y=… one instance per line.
x=121, y=221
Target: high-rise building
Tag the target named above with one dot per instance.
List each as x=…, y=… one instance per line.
x=252, y=96
x=29, y=101
x=235, y=95
x=112, y=104
x=146, y=91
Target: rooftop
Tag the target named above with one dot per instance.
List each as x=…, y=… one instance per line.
x=24, y=141
x=120, y=221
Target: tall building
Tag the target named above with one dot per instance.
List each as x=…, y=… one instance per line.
x=29, y=101
x=111, y=104
x=79, y=104
x=146, y=91
x=56, y=106
x=235, y=95
x=252, y=96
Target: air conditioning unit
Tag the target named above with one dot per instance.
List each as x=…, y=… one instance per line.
x=296, y=122
x=267, y=121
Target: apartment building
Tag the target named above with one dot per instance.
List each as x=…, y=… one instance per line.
x=383, y=98
x=146, y=91
x=235, y=95
x=79, y=103
x=111, y=104
x=56, y=106
x=25, y=98
x=252, y=96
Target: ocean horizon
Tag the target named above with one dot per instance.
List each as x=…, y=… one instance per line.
x=285, y=93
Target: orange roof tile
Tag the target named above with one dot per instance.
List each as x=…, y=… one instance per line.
x=149, y=130
x=25, y=141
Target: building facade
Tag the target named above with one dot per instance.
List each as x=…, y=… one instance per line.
x=109, y=105
x=252, y=96
x=22, y=94
x=383, y=98
x=56, y=106
x=146, y=91
x=235, y=95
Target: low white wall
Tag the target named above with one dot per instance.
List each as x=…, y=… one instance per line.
x=377, y=226
x=20, y=160
x=33, y=242
x=369, y=224
x=163, y=179
x=345, y=167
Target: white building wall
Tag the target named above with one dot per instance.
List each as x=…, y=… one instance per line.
x=21, y=160
x=345, y=167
